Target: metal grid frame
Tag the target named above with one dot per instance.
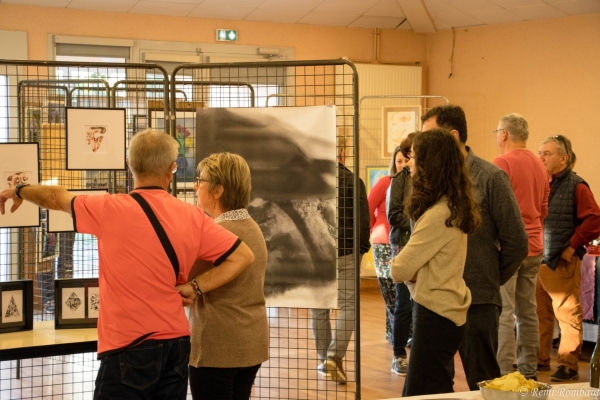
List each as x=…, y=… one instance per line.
x=291, y=370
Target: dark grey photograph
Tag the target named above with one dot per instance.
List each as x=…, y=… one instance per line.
x=292, y=157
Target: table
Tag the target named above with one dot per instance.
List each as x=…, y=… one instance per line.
x=45, y=341
x=571, y=391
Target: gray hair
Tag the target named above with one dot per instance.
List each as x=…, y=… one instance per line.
x=563, y=145
x=516, y=125
x=151, y=153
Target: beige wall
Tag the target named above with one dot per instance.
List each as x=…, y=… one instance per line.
x=548, y=71
x=311, y=42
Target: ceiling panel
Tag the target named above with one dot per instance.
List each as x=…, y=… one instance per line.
x=177, y=1
x=219, y=12
x=315, y=18
x=345, y=6
x=376, y=22
x=385, y=8
x=103, y=5
x=41, y=3
x=234, y=3
x=469, y=6
x=457, y=20
x=160, y=8
x=496, y=17
x=405, y=26
x=516, y=3
x=541, y=11
x=438, y=7
x=289, y=17
x=579, y=7
x=290, y=5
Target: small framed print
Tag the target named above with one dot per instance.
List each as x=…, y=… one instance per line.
x=95, y=138
x=16, y=305
x=374, y=174
x=60, y=221
x=77, y=303
x=398, y=122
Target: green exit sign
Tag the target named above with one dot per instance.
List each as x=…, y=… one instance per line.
x=227, y=35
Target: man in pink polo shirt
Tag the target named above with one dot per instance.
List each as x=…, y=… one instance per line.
x=529, y=180
x=143, y=333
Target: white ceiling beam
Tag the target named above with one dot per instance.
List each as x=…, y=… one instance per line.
x=418, y=15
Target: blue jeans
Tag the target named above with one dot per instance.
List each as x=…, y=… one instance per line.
x=154, y=369
x=222, y=383
x=335, y=345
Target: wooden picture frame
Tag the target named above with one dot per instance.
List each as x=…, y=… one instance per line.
x=374, y=174
x=16, y=306
x=96, y=138
x=398, y=122
x=76, y=303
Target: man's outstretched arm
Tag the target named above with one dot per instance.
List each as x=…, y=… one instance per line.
x=51, y=197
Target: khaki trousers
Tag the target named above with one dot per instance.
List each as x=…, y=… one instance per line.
x=557, y=294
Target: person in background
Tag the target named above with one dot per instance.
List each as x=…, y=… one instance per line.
x=495, y=251
x=332, y=348
x=442, y=203
x=573, y=220
x=518, y=293
x=230, y=331
x=380, y=232
x=143, y=332
x=399, y=234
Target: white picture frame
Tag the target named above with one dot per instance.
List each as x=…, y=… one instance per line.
x=19, y=163
x=96, y=138
x=60, y=221
x=93, y=302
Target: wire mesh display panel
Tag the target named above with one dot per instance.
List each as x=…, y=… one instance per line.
x=292, y=369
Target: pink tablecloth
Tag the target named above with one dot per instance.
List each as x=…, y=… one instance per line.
x=588, y=289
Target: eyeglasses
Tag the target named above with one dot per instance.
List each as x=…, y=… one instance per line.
x=198, y=180
x=564, y=142
x=495, y=133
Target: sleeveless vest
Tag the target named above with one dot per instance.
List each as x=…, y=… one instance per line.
x=562, y=219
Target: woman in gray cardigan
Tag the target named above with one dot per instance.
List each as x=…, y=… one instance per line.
x=432, y=262
x=230, y=332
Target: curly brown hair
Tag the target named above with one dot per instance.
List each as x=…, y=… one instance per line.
x=440, y=171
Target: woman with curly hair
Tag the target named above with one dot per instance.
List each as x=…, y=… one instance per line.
x=432, y=262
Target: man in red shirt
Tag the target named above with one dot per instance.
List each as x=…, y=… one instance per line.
x=143, y=333
x=573, y=220
x=529, y=180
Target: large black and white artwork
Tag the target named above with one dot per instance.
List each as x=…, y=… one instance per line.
x=291, y=152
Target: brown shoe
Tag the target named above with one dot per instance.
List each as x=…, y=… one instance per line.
x=335, y=370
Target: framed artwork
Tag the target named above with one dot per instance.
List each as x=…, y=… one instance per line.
x=59, y=221
x=398, y=122
x=20, y=163
x=16, y=306
x=140, y=123
x=77, y=303
x=185, y=123
x=373, y=175
x=95, y=139
x=33, y=124
x=56, y=113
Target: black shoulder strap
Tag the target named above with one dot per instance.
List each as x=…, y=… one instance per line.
x=162, y=235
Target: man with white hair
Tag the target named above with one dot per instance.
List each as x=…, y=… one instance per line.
x=529, y=181
x=147, y=243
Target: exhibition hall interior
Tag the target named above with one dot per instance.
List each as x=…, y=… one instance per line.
x=320, y=99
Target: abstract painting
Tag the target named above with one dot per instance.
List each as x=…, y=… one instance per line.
x=19, y=163
x=12, y=306
x=291, y=152
x=95, y=139
x=398, y=122
x=73, y=303
x=16, y=305
x=93, y=301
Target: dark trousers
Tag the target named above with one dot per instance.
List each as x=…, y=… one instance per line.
x=435, y=342
x=478, y=350
x=402, y=319
x=222, y=383
x=155, y=369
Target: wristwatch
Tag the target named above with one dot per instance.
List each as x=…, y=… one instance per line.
x=18, y=189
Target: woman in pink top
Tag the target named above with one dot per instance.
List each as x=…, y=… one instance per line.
x=380, y=232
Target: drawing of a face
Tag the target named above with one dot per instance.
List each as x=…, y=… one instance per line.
x=94, y=138
x=16, y=178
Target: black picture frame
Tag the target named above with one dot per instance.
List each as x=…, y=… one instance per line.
x=78, y=286
x=26, y=288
